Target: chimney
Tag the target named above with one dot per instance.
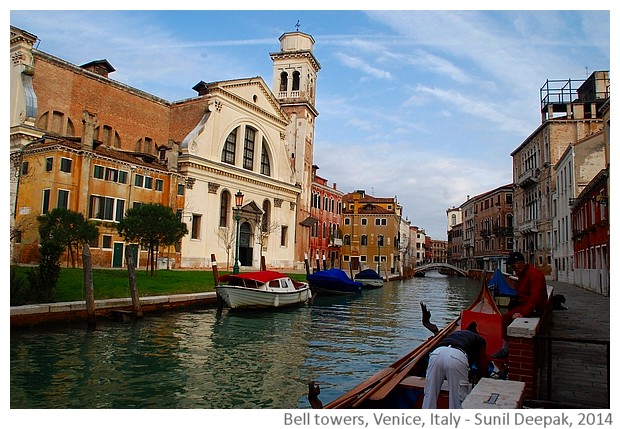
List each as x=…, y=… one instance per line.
x=100, y=67
x=89, y=122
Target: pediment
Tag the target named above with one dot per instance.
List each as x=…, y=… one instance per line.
x=252, y=93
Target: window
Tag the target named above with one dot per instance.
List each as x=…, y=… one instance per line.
x=196, y=219
x=45, y=206
x=148, y=182
x=63, y=199
x=283, y=235
x=265, y=164
x=380, y=240
x=296, y=79
x=364, y=240
x=97, y=171
x=49, y=164
x=380, y=221
x=283, y=81
x=94, y=242
x=181, y=189
x=228, y=153
x=139, y=180
x=347, y=221
x=120, y=210
x=24, y=168
x=224, y=204
x=248, y=148
x=106, y=242
x=346, y=240
x=364, y=221
x=122, y=176
x=106, y=208
x=111, y=174
x=159, y=185
x=65, y=165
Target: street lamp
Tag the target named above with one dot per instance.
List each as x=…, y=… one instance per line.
x=238, y=204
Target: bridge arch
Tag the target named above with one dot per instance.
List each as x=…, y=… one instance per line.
x=438, y=265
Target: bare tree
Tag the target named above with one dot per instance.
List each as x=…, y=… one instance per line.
x=263, y=236
x=226, y=240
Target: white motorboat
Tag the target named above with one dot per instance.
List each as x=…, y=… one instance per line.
x=261, y=289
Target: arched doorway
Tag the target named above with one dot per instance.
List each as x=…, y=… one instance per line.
x=245, y=245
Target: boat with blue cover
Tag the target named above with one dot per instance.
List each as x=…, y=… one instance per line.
x=333, y=281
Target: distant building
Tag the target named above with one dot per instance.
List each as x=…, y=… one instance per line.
x=326, y=232
x=439, y=251
x=417, y=246
x=455, y=237
x=371, y=232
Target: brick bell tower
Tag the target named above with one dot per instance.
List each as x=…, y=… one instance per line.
x=294, y=84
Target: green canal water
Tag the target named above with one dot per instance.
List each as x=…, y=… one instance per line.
x=243, y=360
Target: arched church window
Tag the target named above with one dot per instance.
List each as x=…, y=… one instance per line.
x=228, y=152
x=296, y=79
x=224, y=204
x=265, y=164
x=283, y=81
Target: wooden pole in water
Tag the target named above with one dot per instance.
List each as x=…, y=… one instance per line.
x=215, y=272
x=133, y=288
x=306, y=264
x=324, y=263
x=88, y=285
x=318, y=262
x=216, y=282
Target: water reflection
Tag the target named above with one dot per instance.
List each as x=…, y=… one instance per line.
x=203, y=359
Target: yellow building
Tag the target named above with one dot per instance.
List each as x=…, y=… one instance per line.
x=86, y=176
x=371, y=233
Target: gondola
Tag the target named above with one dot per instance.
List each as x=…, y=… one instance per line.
x=401, y=385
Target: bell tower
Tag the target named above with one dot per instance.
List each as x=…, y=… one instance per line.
x=294, y=84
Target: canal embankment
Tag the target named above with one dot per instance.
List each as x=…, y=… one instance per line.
x=36, y=314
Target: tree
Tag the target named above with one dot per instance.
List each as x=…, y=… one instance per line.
x=226, y=239
x=152, y=225
x=67, y=227
x=59, y=229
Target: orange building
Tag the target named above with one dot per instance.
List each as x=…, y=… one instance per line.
x=371, y=232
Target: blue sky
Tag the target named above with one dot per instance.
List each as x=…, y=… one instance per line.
x=419, y=104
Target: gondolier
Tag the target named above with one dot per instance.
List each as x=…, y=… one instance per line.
x=452, y=359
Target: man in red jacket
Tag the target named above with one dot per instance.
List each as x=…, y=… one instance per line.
x=531, y=296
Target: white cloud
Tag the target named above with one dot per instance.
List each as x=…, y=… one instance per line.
x=363, y=66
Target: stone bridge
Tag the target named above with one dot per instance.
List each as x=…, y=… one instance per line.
x=437, y=266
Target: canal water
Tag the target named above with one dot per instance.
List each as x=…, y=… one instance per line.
x=250, y=360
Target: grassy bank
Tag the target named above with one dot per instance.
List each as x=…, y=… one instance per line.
x=115, y=283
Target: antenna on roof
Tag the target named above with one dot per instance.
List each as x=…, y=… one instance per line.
x=297, y=25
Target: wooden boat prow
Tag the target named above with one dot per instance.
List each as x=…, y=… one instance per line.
x=384, y=389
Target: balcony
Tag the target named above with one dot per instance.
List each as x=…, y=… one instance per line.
x=529, y=178
x=528, y=226
x=503, y=231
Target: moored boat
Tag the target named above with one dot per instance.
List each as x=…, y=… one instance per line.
x=261, y=289
x=401, y=385
x=369, y=278
x=333, y=281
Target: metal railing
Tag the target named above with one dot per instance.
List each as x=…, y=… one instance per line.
x=549, y=342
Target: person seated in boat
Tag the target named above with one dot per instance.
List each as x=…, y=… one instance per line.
x=530, y=300
x=452, y=359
